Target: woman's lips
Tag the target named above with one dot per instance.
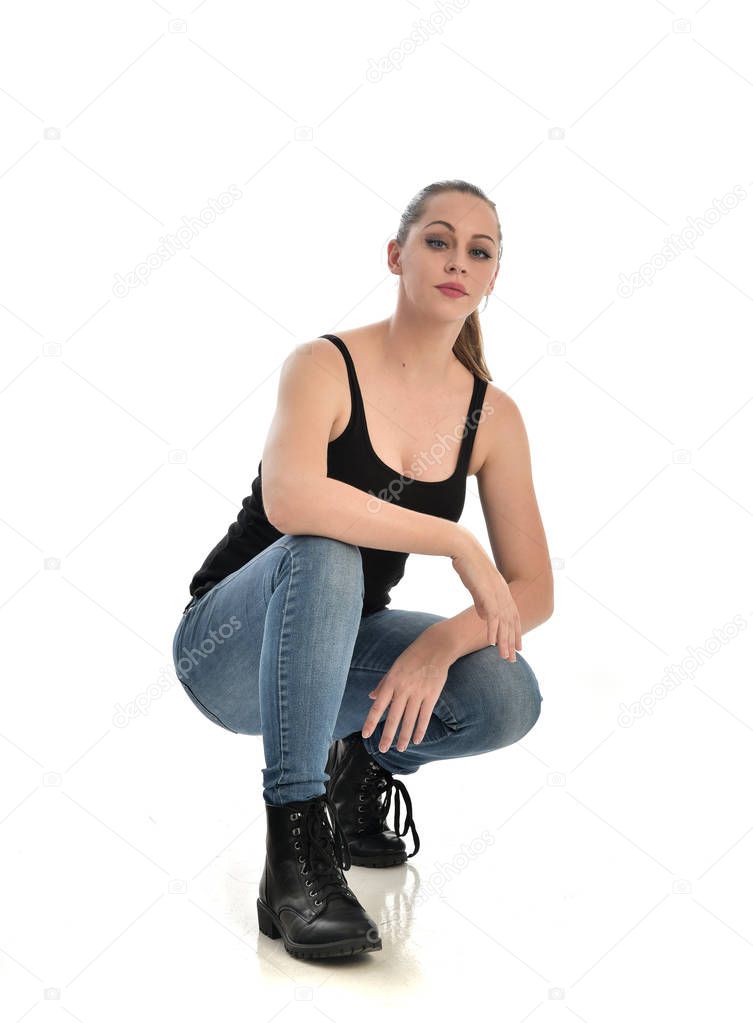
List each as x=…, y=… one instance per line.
x=451, y=292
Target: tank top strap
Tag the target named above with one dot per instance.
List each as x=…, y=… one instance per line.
x=356, y=401
x=472, y=420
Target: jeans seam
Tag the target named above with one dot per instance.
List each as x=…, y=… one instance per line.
x=283, y=686
x=223, y=582
x=210, y=713
x=177, y=643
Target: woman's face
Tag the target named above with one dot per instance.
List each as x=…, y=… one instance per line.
x=462, y=250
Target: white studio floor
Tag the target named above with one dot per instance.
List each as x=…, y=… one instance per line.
x=589, y=872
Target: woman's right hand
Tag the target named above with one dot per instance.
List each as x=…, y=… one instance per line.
x=491, y=595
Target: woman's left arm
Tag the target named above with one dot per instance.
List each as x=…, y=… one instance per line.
x=516, y=532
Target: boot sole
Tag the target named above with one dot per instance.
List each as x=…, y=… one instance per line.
x=382, y=861
x=269, y=925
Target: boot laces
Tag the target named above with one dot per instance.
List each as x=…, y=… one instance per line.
x=374, y=784
x=325, y=851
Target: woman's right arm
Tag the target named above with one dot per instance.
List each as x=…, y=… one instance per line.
x=299, y=497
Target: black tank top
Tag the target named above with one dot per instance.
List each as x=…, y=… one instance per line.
x=351, y=459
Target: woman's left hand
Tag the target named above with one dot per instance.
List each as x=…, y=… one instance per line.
x=410, y=689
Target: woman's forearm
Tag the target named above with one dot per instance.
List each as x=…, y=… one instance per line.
x=328, y=507
x=467, y=632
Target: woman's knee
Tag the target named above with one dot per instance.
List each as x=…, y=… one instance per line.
x=505, y=697
x=327, y=562
x=520, y=706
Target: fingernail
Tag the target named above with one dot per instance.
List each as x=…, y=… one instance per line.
x=366, y=733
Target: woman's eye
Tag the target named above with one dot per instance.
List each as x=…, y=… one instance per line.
x=430, y=242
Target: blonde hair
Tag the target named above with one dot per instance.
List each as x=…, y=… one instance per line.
x=469, y=346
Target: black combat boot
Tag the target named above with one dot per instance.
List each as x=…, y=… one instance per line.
x=357, y=785
x=303, y=895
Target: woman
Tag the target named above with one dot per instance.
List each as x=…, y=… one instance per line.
x=288, y=633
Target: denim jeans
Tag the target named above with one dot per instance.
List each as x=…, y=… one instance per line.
x=280, y=648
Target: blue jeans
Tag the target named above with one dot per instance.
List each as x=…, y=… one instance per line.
x=280, y=648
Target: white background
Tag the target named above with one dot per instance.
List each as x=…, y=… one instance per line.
x=617, y=883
